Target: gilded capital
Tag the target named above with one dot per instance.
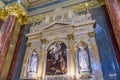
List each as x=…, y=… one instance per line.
x=70, y=36
x=91, y=34
x=28, y=44
x=18, y=12
x=3, y=13
x=43, y=41
x=14, y=10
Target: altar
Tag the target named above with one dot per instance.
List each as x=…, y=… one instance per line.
x=62, y=47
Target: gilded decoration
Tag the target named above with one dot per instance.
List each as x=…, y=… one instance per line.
x=16, y=10
x=91, y=34
x=38, y=15
x=43, y=41
x=28, y=44
x=3, y=13
x=71, y=36
x=69, y=53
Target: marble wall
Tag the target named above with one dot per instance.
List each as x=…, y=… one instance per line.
x=105, y=48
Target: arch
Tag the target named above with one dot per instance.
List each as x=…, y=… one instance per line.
x=52, y=41
x=35, y=48
x=81, y=40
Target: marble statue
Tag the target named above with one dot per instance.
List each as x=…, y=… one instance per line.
x=33, y=62
x=33, y=65
x=83, y=59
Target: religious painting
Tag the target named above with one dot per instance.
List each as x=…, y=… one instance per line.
x=83, y=58
x=56, y=59
x=33, y=63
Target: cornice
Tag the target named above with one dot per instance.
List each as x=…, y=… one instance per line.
x=53, y=7
x=37, y=3
x=76, y=8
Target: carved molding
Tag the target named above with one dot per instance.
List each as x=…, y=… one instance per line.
x=76, y=8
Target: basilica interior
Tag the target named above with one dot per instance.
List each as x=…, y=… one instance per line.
x=59, y=39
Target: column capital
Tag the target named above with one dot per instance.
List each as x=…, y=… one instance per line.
x=91, y=34
x=28, y=44
x=70, y=36
x=43, y=41
x=3, y=13
x=14, y=10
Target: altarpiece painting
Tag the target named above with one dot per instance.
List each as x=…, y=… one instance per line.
x=56, y=59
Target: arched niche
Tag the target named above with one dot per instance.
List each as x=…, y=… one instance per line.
x=83, y=59
x=33, y=63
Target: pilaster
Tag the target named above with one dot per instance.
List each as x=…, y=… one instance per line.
x=95, y=60
x=72, y=63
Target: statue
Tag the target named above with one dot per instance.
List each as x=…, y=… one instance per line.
x=83, y=59
x=33, y=62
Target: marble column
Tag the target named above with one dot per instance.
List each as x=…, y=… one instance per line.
x=1, y=22
x=113, y=7
x=15, y=54
x=6, y=39
x=118, y=1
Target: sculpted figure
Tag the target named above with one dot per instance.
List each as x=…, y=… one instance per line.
x=33, y=62
x=33, y=65
x=83, y=59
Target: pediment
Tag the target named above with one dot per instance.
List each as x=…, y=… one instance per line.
x=56, y=25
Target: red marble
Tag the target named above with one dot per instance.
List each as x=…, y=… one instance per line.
x=6, y=39
x=1, y=22
x=15, y=54
x=114, y=13
x=118, y=1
